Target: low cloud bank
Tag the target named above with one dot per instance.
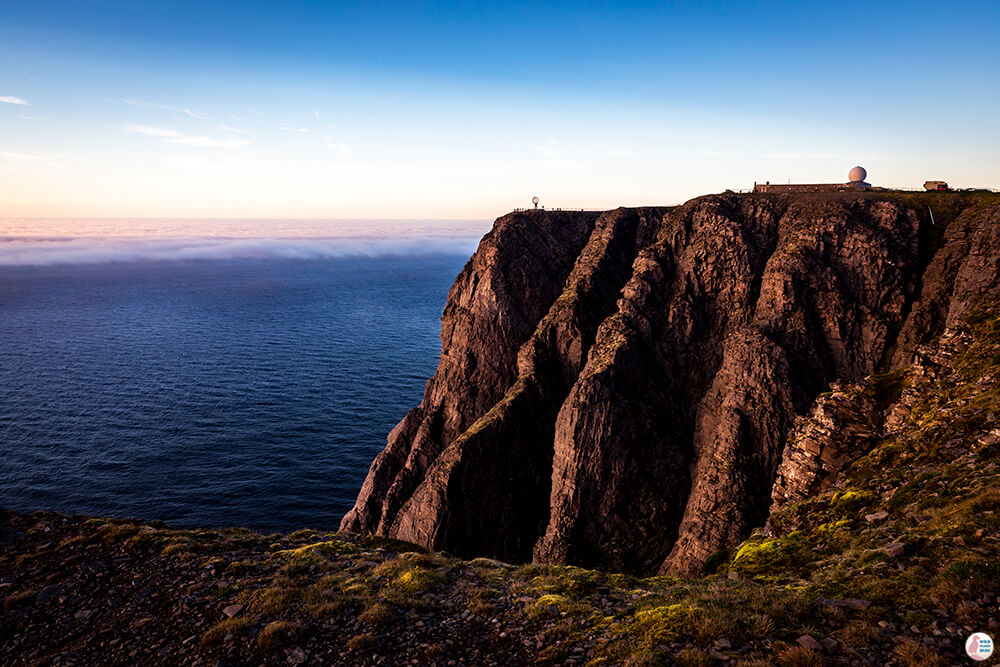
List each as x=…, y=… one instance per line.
x=27, y=251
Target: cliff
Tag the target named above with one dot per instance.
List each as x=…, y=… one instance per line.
x=618, y=389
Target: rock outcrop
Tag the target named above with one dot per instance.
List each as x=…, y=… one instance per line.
x=841, y=427
x=618, y=390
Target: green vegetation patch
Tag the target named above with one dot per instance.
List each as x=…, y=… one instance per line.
x=911, y=524
x=318, y=552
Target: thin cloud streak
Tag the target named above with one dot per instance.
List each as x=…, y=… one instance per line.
x=9, y=99
x=805, y=156
x=169, y=136
x=342, y=148
x=207, y=142
x=165, y=107
x=55, y=251
x=6, y=155
x=57, y=162
x=151, y=131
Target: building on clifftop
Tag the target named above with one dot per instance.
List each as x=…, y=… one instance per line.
x=856, y=181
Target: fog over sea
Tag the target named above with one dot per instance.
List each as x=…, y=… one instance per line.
x=213, y=372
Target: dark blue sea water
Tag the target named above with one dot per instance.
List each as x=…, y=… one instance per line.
x=214, y=392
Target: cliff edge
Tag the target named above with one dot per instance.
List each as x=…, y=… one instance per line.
x=622, y=389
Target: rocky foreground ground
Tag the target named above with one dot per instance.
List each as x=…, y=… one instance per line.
x=894, y=560
x=84, y=591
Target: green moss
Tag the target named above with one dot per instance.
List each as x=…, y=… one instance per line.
x=773, y=559
x=318, y=552
x=563, y=580
x=834, y=528
x=753, y=551
x=852, y=500
x=665, y=624
x=417, y=579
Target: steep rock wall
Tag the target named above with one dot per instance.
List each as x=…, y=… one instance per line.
x=617, y=389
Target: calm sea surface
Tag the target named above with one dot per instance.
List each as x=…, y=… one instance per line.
x=211, y=392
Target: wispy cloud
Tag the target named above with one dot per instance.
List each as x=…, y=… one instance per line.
x=150, y=131
x=563, y=163
x=191, y=163
x=556, y=153
x=288, y=127
x=208, y=142
x=555, y=148
x=169, y=136
x=230, y=128
x=15, y=160
x=13, y=100
x=165, y=107
x=343, y=147
x=27, y=117
x=802, y=156
x=7, y=155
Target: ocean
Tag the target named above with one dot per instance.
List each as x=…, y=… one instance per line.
x=228, y=388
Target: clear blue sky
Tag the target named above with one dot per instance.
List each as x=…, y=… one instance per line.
x=465, y=110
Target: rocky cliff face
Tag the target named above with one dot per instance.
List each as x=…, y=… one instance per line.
x=620, y=390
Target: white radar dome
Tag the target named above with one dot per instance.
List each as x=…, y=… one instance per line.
x=857, y=174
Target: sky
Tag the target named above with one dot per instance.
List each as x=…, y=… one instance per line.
x=466, y=110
